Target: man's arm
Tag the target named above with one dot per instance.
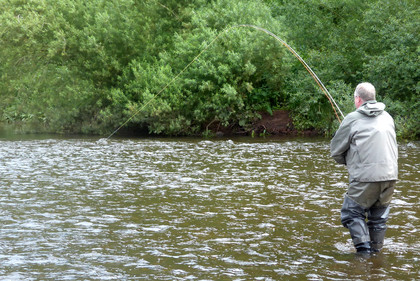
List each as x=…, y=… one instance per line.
x=340, y=143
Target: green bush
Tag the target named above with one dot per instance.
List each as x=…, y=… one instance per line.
x=90, y=66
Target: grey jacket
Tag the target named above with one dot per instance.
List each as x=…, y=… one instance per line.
x=366, y=143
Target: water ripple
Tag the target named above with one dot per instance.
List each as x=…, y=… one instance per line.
x=190, y=209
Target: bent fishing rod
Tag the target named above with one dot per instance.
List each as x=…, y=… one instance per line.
x=311, y=72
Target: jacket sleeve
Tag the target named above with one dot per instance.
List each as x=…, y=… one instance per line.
x=340, y=143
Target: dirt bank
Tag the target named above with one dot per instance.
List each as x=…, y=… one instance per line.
x=279, y=123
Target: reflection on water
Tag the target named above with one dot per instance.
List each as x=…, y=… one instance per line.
x=171, y=209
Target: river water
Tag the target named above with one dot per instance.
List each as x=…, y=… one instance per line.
x=191, y=209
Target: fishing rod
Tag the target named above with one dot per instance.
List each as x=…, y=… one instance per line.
x=311, y=72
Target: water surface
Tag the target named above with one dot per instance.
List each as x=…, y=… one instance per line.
x=191, y=209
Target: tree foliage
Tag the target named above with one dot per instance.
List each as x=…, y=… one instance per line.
x=89, y=66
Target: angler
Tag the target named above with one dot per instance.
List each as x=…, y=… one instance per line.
x=366, y=143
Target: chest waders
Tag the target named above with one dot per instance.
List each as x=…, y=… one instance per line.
x=367, y=226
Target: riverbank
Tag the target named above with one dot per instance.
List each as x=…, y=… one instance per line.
x=279, y=123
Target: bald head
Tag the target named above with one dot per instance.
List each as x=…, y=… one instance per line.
x=365, y=91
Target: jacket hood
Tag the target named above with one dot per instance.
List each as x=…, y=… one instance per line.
x=371, y=108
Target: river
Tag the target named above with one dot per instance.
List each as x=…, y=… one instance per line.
x=191, y=209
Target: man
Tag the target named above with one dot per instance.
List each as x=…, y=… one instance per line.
x=365, y=142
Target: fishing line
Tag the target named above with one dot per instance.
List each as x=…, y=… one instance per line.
x=311, y=72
